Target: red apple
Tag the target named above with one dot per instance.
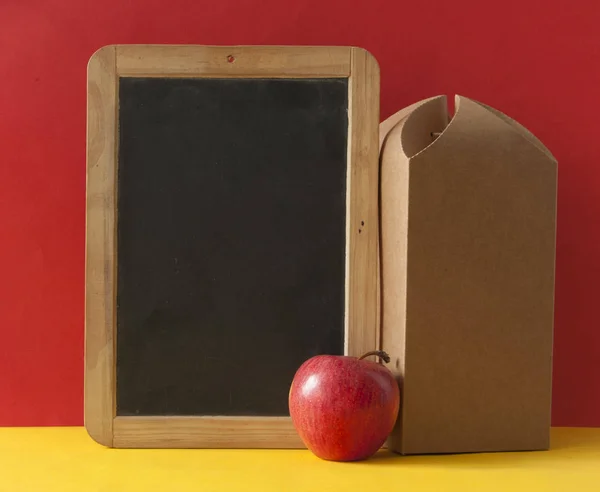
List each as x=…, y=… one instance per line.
x=344, y=407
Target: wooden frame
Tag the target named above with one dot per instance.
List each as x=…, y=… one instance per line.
x=105, y=68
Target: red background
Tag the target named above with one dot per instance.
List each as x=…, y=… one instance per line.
x=536, y=60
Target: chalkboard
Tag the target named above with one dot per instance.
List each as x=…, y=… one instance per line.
x=231, y=239
x=232, y=233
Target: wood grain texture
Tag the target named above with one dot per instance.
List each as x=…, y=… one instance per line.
x=362, y=258
x=205, y=432
x=233, y=61
x=363, y=219
x=100, y=244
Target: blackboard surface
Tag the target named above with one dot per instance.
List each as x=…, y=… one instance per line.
x=231, y=240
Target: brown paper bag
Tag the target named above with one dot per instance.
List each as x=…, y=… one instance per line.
x=468, y=211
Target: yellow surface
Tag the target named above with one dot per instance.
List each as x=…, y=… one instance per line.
x=66, y=459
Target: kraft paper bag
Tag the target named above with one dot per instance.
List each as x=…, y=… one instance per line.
x=468, y=225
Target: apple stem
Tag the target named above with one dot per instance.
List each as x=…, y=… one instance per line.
x=379, y=353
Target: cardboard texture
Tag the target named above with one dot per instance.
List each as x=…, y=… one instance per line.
x=468, y=251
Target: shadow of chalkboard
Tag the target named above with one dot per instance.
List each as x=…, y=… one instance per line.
x=231, y=240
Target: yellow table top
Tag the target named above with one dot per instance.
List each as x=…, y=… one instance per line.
x=66, y=459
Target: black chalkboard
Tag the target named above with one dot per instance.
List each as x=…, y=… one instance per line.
x=231, y=240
